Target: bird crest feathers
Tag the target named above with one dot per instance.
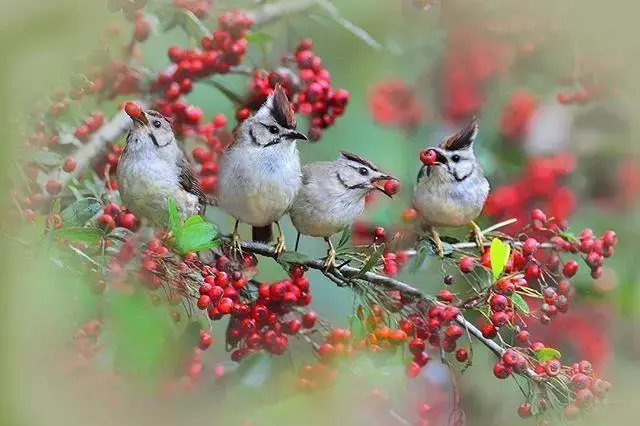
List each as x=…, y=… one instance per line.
x=463, y=139
x=281, y=108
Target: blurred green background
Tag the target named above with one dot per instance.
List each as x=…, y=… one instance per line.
x=42, y=41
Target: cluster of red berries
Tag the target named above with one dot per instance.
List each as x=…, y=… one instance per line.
x=89, y=126
x=540, y=185
x=310, y=90
x=585, y=388
x=224, y=49
x=216, y=138
x=105, y=164
x=394, y=104
x=197, y=7
x=115, y=216
x=517, y=114
x=261, y=324
x=85, y=342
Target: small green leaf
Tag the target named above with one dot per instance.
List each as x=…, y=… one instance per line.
x=85, y=235
x=196, y=237
x=520, y=303
x=345, y=237
x=421, y=254
x=193, y=220
x=78, y=213
x=547, y=354
x=373, y=261
x=258, y=37
x=293, y=258
x=175, y=224
x=499, y=253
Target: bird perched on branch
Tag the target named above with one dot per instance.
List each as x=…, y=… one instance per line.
x=451, y=188
x=332, y=196
x=152, y=168
x=260, y=173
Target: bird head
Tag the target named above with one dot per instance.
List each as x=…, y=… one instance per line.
x=358, y=174
x=274, y=123
x=455, y=156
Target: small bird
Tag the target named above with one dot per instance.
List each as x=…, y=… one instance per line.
x=152, y=168
x=260, y=173
x=452, y=191
x=332, y=196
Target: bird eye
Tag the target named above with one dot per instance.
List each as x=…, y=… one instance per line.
x=363, y=171
x=455, y=158
x=273, y=130
x=157, y=124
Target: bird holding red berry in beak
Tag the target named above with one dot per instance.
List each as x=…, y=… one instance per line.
x=260, y=172
x=451, y=187
x=333, y=194
x=152, y=168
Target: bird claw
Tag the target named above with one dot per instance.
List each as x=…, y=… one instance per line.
x=478, y=236
x=280, y=246
x=236, y=246
x=330, y=261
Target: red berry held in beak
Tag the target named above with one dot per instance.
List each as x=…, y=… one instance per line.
x=133, y=109
x=391, y=187
x=428, y=156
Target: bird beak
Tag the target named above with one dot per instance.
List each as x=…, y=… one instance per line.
x=297, y=136
x=440, y=158
x=141, y=120
x=378, y=183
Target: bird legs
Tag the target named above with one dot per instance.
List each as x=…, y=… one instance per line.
x=478, y=236
x=280, y=246
x=435, y=237
x=330, y=261
x=235, y=239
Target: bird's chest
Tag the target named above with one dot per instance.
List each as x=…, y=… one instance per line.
x=451, y=203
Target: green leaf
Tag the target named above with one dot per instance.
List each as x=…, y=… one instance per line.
x=499, y=253
x=520, y=303
x=547, y=354
x=293, y=258
x=345, y=237
x=421, y=254
x=44, y=158
x=258, y=37
x=78, y=213
x=373, y=261
x=194, y=26
x=255, y=369
x=196, y=237
x=193, y=221
x=175, y=224
x=85, y=235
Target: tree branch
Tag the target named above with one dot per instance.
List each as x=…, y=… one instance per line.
x=274, y=11
x=389, y=283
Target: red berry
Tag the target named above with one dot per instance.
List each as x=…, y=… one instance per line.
x=205, y=340
x=53, y=187
x=378, y=233
x=498, y=302
x=530, y=246
x=106, y=222
x=428, y=156
x=309, y=319
x=570, y=268
x=501, y=371
x=69, y=164
x=610, y=238
x=462, y=355
x=584, y=398
x=537, y=214
x=203, y=302
x=571, y=412
x=133, y=109
x=466, y=264
x=524, y=410
x=413, y=369
x=417, y=346
x=391, y=187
